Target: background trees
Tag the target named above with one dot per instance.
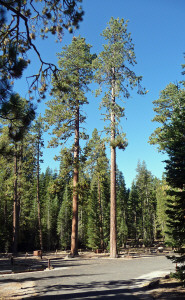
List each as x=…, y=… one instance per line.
x=55, y=198
x=13, y=146
x=97, y=168
x=170, y=113
x=145, y=184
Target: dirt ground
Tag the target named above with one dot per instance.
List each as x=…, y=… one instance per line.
x=164, y=288
x=16, y=290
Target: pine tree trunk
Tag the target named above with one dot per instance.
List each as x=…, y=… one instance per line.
x=74, y=234
x=15, y=205
x=113, y=233
x=38, y=196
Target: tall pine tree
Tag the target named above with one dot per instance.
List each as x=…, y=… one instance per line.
x=65, y=110
x=113, y=72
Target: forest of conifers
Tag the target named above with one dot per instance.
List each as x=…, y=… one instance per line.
x=86, y=203
x=140, y=210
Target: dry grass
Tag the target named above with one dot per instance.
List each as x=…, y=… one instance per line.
x=166, y=288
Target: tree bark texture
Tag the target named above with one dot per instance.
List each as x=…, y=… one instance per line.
x=74, y=234
x=113, y=233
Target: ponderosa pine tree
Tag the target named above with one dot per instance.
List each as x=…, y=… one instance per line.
x=65, y=110
x=113, y=72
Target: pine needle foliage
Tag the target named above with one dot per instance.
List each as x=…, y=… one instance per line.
x=170, y=112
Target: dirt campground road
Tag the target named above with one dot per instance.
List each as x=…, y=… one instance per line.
x=89, y=277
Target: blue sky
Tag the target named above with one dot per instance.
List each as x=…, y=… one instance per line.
x=158, y=31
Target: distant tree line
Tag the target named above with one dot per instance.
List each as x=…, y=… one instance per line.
x=140, y=210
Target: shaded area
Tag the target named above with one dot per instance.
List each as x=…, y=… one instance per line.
x=165, y=288
x=29, y=264
x=170, y=289
x=93, y=290
x=107, y=294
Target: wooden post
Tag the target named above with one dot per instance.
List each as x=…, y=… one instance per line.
x=49, y=264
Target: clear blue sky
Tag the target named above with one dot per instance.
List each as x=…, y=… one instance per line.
x=158, y=31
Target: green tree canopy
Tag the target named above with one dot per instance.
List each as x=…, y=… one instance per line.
x=22, y=23
x=170, y=136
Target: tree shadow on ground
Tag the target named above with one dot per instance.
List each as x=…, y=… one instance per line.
x=94, y=290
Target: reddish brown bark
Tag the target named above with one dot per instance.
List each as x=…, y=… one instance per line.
x=113, y=233
x=74, y=234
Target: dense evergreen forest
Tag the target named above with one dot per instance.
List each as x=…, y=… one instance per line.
x=140, y=210
x=86, y=204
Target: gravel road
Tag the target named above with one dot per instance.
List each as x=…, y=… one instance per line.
x=95, y=278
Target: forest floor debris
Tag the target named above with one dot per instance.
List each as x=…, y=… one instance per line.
x=163, y=289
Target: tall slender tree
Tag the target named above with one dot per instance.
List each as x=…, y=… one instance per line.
x=113, y=72
x=65, y=111
x=39, y=143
